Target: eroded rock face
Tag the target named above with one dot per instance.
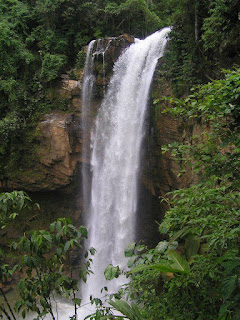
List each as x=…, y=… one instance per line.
x=56, y=156
x=161, y=172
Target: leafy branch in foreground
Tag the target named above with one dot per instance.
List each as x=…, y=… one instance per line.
x=45, y=257
x=42, y=259
x=11, y=203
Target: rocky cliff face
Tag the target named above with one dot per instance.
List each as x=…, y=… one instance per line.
x=58, y=158
x=161, y=172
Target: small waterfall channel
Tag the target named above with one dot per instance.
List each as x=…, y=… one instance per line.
x=116, y=139
x=96, y=51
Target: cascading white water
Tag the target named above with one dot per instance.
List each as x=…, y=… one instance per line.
x=116, y=142
x=87, y=94
x=95, y=48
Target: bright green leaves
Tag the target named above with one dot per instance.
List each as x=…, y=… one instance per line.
x=132, y=312
x=67, y=246
x=161, y=246
x=129, y=251
x=215, y=151
x=111, y=272
x=44, y=266
x=62, y=236
x=207, y=211
x=177, y=264
x=156, y=267
x=84, y=232
x=204, y=218
x=11, y=203
x=6, y=273
x=52, y=66
x=213, y=101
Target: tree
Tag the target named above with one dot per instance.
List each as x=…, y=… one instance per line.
x=10, y=205
x=43, y=262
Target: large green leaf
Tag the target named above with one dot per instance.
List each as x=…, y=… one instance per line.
x=123, y=307
x=84, y=232
x=129, y=251
x=131, y=261
x=136, y=311
x=180, y=265
x=131, y=312
x=228, y=286
x=111, y=272
x=179, y=262
x=158, y=267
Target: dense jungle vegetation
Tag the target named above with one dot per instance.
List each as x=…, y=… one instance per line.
x=194, y=272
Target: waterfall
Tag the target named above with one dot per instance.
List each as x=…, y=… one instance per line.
x=87, y=94
x=96, y=48
x=116, y=141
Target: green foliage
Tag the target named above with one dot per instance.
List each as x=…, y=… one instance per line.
x=40, y=40
x=203, y=40
x=81, y=56
x=177, y=264
x=52, y=66
x=136, y=16
x=11, y=204
x=132, y=312
x=43, y=262
x=111, y=272
x=221, y=28
x=44, y=257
